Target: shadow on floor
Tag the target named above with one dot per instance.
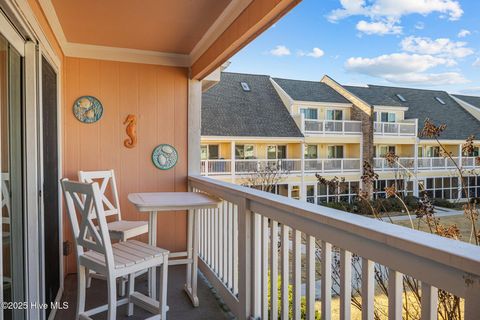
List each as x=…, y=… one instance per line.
x=178, y=301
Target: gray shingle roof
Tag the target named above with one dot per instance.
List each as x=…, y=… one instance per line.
x=228, y=110
x=310, y=91
x=422, y=104
x=474, y=101
x=373, y=97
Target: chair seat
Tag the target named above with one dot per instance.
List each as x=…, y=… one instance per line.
x=125, y=229
x=127, y=254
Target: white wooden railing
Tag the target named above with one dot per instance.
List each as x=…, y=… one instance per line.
x=216, y=167
x=343, y=127
x=436, y=163
x=332, y=165
x=395, y=128
x=252, y=165
x=381, y=164
x=255, y=235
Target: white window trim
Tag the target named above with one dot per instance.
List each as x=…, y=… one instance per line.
x=338, y=145
x=335, y=109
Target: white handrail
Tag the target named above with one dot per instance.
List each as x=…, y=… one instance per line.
x=253, y=217
x=343, y=127
x=395, y=128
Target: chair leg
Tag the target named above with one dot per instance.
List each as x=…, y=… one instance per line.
x=121, y=286
x=88, y=277
x=163, y=288
x=81, y=292
x=112, y=298
x=131, y=288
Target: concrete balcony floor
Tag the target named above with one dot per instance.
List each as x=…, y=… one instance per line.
x=179, y=303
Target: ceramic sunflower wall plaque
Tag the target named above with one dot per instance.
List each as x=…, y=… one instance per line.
x=164, y=156
x=87, y=109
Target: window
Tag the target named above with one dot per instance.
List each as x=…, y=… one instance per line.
x=447, y=187
x=277, y=152
x=309, y=113
x=335, y=152
x=311, y=193
x=311, y=151
x=295, y=192
x=244, y=151
x=387, y=117
x=245, y=86
x=474, y=153
x=384, y=150
x=433, y=151
x=420, y=152
x=210, y=151
x=347, y=192
x=334, y=114
x=439, y=100
x=401, y=98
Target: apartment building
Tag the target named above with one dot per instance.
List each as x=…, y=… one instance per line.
x=309, y=127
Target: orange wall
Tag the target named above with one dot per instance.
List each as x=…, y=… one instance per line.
x=158, y=96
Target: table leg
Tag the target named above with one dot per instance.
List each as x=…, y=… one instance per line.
x=192, y=255
x=152, y=240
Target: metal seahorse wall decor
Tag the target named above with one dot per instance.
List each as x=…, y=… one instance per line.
x=131, y=122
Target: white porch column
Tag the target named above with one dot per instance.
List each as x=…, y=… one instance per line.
x=416, y=192
x=303, y=191
x=232, y=156
x=460, y=164
x=194, y=125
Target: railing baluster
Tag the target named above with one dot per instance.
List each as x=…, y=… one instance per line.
x=297, y=274
x=285, y=271
x=345, y=284
x=368, y=289
x=274, y=270
x=220, y=242
x=230, y=246
x=264, y=268
x=256, y=274
x=225, y=240
x=215, y=239
x=310, y=278
x=235, y=249
x=429, y=302
x=395, y=286
x=326, y=282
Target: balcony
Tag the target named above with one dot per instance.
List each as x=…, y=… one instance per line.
x=437, y=163
x=247, y=166
x=395, y=128
x=332, y=127
x=332, y=165
x=381, y=164
x=254, y=236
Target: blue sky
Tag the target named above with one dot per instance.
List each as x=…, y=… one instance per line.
x=410, y=43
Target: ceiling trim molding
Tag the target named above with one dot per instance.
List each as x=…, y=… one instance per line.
x=224, y=20
x=88, y=51
x=51, y=15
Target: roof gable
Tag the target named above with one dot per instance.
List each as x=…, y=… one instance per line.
x=312, y=91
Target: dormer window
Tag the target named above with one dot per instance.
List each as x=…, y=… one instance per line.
x=401, y=98
x=440, y=100
x=245, y=86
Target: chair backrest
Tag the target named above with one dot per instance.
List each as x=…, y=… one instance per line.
x=5, y=196
x=106, y=180
x=84, y=204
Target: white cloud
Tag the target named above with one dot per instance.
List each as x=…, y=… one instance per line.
x=385, y=15
x=442, y=47
x=379, y=27
x=395, y=8
x=420, y=25
x=463, y=33
x=280, y=51
x=315, y=53
x=405, y=68
x=476, y=63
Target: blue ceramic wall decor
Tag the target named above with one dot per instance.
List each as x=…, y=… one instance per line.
x=87, y=109
x=164, y=157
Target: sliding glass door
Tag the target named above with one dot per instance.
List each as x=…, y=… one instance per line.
x=11, y=164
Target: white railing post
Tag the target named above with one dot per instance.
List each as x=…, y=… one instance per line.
x=206, y=167
x=345, y=284
x=246, y=261
x=472, y=298
x=368, y=289
x=326, y=283
x=395, y=290
x=429, y=302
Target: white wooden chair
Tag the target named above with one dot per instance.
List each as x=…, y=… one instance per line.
x=96, y=252
x=119, y=229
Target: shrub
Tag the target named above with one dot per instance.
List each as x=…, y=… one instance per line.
x=443, y=203
x=303, y=301
x=341, y=205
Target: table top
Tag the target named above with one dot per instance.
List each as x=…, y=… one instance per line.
x=172, y=201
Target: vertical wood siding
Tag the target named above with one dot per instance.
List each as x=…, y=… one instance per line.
x=158, y=96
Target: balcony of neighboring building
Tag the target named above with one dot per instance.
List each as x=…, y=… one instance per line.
x=327, y=121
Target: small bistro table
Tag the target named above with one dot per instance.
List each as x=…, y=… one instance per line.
x=157, y=202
